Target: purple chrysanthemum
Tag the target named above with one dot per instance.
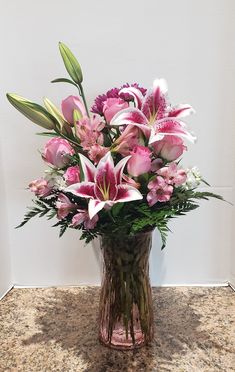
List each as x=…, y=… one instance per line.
x=97, y=108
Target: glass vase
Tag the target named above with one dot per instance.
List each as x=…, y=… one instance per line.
x=125, y=310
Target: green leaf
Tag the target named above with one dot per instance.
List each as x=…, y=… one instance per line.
x=63, y=80
x=47, y=134
x=116, y=209
x=71, y=64
x=32, y=111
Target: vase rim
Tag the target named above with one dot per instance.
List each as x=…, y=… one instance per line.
x=128, y=235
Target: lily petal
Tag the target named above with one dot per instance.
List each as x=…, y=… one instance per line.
x=94, y=207
x=127, y=193
x=120, y=167
x=105, y=179
x=154, y=103
x=135, y=93
x=83, y=189
x=181, y=110
x=170, y=127
x=88, y=169
x=129, y=116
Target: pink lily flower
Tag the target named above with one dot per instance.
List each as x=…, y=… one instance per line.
x=103, y=185
x=153, y=115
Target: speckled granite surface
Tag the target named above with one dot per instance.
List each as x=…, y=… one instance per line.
x=55, y=330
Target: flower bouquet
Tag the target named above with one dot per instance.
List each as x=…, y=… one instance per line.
x=114, y=172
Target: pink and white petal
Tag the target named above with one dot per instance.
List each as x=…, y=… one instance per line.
x=181, y=110
x=155, y=101
x=94, y=207
x=170, y=127
x=105, y=179
x=82, y=189
x=127, y=193
x=120, y=167
x=129, y=116
x=88, y=169
x=135, y=93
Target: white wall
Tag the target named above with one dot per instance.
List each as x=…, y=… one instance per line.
x=188, y=42
x=5, y=259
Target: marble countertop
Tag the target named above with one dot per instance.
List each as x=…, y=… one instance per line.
x=55, y=329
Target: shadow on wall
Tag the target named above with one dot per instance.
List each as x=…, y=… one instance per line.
x=66, y=319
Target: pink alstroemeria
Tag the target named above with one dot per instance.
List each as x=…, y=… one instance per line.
x=160, y=191
x=173, y=175
x=97, y=152
x=69, y=105
x=64, y=206
x=89, y=130
x=153, y=115
x=83, y=217
x=103, y=185
x=40, y=187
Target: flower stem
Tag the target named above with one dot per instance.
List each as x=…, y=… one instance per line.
x=81, y=92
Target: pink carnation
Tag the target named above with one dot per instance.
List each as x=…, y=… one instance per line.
x=97, y=108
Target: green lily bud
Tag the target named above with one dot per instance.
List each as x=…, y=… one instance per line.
x=32, y=111
x=77, y=115
x=53, y=110
x=71, y=63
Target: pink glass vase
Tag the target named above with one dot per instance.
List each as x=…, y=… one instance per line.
x=125, y=310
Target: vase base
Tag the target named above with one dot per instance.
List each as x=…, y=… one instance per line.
x=119, y=341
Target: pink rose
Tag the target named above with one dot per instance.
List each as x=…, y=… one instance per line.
x=72, y=175
x=83, y=217
x=40, y=187
x=70, y=104
x=169, y=148
x=156, y=164
x=140, y=161
x=112, y=106
x=64, y=206
x=160, y=191
x=173, y=175
x=56, y=152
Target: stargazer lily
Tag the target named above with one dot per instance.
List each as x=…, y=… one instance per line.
x=153, y=115
x=103, y=185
